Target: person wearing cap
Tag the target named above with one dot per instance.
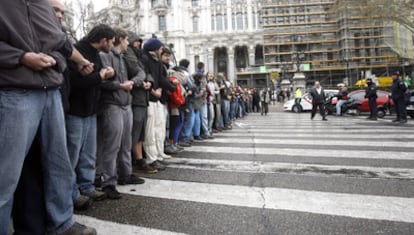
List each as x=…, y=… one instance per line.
x=342, y=98
x=371, y=94
x=155, y=128
x=398, y=90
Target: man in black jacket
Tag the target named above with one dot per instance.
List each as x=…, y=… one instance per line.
x=140, y=98
x=30, y=75
x=318, y=100
x=371, y=94
x=81, y=118
x=398, y=90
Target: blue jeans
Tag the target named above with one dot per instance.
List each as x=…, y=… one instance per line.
x=204, y=119
x=197, y=123
x=188, y=123
x=225, y=111
x=338, y=106
x=22, y=113
x=82, y=138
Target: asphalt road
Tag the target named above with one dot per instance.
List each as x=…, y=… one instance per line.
x=276, y=174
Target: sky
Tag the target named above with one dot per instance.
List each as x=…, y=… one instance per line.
x=99, y=4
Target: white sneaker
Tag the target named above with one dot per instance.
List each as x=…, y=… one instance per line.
x=165, y=156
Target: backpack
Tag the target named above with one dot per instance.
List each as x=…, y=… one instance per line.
x=176, y=98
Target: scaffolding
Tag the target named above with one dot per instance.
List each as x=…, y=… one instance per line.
x=332, y=39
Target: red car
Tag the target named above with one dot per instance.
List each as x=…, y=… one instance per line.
x=384, y=102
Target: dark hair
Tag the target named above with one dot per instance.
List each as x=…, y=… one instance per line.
x=165, y=51
x=200, y=65
x=119, y=33
x=184, y=63
x=100, y=32
x=197, y=77
x=178, y=69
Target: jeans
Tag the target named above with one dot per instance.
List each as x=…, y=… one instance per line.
x=210, y=109
x=225, y=110
x=197, y=124
x=81, y=134
x=22, y=113
x=188, y=123
x=338, y=106
x=204, y=119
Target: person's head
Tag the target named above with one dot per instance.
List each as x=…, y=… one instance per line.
x=197, y=78
x=317, y=84
x=101, y=37
x=210, y=76
x=395, y=75
x=166, y=56
x=121, y=39
x=154, y=45
x=184, y=63
x=368, y=81
x=59, y=9
x=134, y=40
x=341, y=86
x=200, y=66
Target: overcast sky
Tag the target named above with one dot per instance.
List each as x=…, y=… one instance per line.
x=99, y=4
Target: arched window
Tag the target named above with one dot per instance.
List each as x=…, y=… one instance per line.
x=195, y=24
x=169, y=3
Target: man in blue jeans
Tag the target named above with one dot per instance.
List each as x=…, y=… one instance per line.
x=30, y=101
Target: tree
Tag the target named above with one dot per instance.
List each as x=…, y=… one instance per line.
x=80, y=12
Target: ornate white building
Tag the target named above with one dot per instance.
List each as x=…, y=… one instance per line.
x=226, y=35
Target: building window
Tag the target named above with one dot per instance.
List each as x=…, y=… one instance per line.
x=239, y=21
x=213, y=22
x=169, y=3
x=219, y=22
x=162, y=25
x=225, y=22
x=233, y=21
x=154, y=3
x=195, y=24
x=195, y=3
x=196, y=59
x=254, y=17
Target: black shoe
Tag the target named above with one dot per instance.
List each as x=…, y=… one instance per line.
x=111, y=192
x=396, y=120
x=312, y=117
x=204, y=137
x=132, y=179
x=145, y=168
x=157, y=165
x=80, y=229
x=324, y=119
x=403, y=121
x=198, y=138
x=82, y=203
x=373, y=119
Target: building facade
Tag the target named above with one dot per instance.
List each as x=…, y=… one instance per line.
x=224, y=34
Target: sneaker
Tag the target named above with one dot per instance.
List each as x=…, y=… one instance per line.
x=95, y=195
x=178, y=147
x=157, y=165
x=170, y=150
x=82, y=203
x=178, y=150
x=79, y=229
x=324, y=119
x=204, y=137
x=111, y=192
x=163, y=156
x=184, y=144
x=132, y=179
x=145, y=168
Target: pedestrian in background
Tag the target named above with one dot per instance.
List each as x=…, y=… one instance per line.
x=318, y=100
x=298, y=96
x=264, y=100
x=371, y=94
x=398, y=90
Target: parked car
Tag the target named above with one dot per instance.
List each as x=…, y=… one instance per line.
x=384, y=102
x=305, y=103
x=410, y=105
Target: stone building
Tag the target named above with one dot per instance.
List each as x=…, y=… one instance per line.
x=224, y=34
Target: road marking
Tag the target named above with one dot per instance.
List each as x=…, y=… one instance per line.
x=337, y=204
x=323, y=142
x=104, y=227
x=328, y=153
x=345, y=135
x=291, y=168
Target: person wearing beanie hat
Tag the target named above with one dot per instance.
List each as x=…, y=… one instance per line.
x=153, y=44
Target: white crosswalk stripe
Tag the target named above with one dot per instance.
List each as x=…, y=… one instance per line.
x=346, y=150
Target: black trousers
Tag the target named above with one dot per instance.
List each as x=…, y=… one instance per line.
x=400, y=108
x=372, y=102
x=29, y=210
x=321, y=109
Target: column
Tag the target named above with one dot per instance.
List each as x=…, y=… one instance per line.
x=210, y=60
x=252, y=53
x=230, y=67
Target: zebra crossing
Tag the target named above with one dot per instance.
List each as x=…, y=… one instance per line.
x=276, y=174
